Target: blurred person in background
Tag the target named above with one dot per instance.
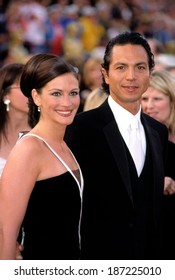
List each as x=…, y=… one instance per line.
x=159, y=102
x=55, y=31
x=13, y=109
x=91, y=77
x=93, y=30
x=95, y=98
x=29, y=18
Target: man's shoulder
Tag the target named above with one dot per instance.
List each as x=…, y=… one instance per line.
x=86, y=115
x=83, y=127
x=94, y=114
x=154, y=124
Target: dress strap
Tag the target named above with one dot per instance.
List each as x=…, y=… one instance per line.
x=61, y=160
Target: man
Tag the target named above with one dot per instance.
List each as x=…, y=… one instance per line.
x=121, y=205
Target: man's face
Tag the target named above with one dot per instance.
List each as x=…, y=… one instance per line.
x=128, y=75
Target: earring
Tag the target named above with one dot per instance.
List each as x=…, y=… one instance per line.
x=7, y=102
x=38, y=109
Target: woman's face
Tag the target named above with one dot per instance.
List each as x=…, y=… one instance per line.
x=95, y=76
x=156, y=104
x=59, y=100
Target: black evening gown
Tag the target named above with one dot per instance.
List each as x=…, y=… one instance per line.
x=51, y=223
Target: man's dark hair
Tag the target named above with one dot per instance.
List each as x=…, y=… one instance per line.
x=122, y=39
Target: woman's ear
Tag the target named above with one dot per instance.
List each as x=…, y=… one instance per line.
x=36, y=97
x=6, y=97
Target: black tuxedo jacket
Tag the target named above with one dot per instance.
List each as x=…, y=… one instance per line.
x=108, y=229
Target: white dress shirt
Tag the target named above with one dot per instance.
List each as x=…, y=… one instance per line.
x=123, y=119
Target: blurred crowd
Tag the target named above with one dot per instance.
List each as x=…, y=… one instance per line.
x=80, y=29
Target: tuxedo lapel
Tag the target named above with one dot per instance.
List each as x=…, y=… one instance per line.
x=116, y=144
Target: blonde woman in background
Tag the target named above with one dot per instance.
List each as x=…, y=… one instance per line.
x=159, y=102
x=91, y=78
x=95, y=98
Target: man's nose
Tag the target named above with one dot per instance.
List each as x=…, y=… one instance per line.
x=130, y=74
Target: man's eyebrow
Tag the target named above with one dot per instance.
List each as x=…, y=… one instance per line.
x=126, y=63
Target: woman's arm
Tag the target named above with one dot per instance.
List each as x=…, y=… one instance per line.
x=17, y=182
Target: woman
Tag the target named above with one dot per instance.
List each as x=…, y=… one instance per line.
x=13, y=109
x=159, y=102
x=42, y=182
x=91, y=78
x=95, y=99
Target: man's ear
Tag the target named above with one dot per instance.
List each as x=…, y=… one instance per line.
x=105, y=75
x=36, y=97
x=150, y=73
